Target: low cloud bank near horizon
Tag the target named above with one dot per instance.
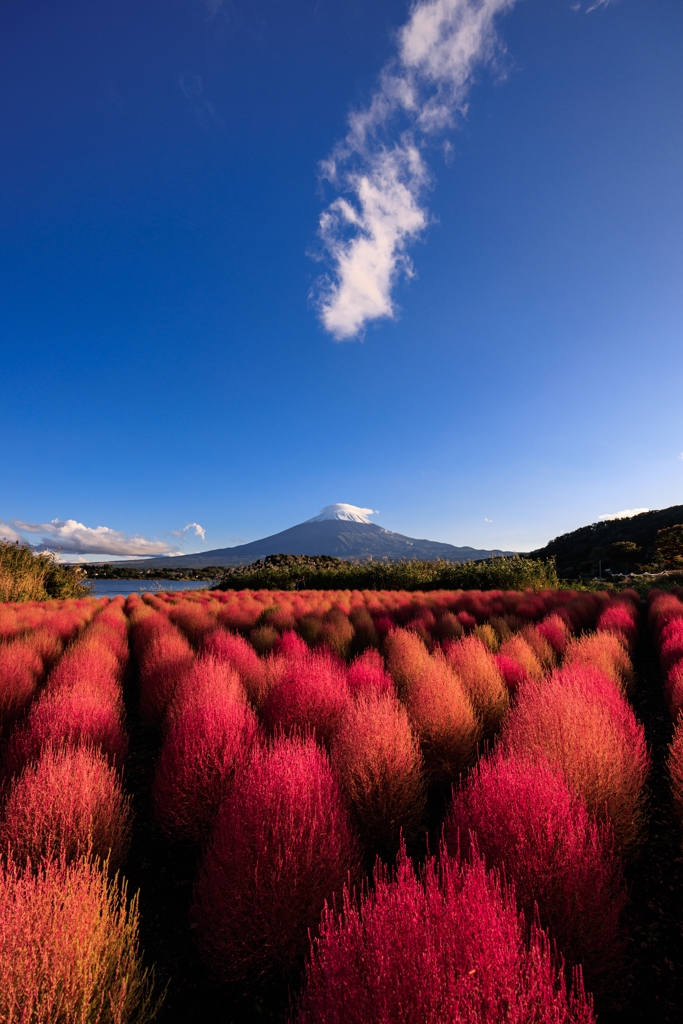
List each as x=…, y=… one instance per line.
x=70, y=536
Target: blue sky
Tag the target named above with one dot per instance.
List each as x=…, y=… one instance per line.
x=165, y=359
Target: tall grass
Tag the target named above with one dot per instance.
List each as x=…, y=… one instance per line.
x=26, y=576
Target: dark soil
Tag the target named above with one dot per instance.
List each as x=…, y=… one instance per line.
x=650, y=990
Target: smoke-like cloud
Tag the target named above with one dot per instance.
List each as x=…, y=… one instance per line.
x=625, y=514
x=199, y=531
x=379, y=170
x=76, y=538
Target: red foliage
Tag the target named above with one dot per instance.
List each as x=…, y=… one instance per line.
x=379, y=764
x=69, y=947
x=675, y=765
x=164, y=655
x=439, y=707
x=579, y=722
x=620, y=618
x=671, y=639
x=309, y=692
x=554, y=630
x=448, y=946
x=211, y=732
x=367, y=674
x=67, y=804
x=20, y=670
x=674, y=690
x=484, y=684
x=523, y=818
x=606, y=653
x=282, y=845
x=234, y=650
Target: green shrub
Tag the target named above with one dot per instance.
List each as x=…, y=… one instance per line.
x=290, y=572
x=26, y=576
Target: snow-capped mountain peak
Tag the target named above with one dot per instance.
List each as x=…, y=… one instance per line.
x=348, y=513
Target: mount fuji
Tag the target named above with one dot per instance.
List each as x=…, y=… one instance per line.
x=341, y=530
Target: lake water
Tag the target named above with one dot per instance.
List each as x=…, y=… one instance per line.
x=116, y=588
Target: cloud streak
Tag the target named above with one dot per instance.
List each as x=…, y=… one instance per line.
x=71, y=536
x=379, y=170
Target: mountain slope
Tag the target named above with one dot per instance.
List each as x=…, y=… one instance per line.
x=336, y=531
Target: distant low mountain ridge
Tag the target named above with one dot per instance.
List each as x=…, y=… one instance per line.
x=343, y=531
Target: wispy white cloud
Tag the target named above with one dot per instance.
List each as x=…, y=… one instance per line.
x=598, y=4
x=625, y=514
x=7, y=533
x=199, y=531
x=379, y=170
x=68, y=535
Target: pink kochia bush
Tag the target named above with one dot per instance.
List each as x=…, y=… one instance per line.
x=163, y=654
x=524, y=819
x=232, y=649
x=449, y=945
x=437, y=702
x=580, y=722
x=378, y=761
x=283, y=844
x=477, y=669
x=69, y=948
x=309, y=691
x=211, y=730
x=67, y=804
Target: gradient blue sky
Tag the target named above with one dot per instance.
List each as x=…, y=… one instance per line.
x=163, y=360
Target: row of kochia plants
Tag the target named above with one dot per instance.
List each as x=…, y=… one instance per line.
x=408, y=807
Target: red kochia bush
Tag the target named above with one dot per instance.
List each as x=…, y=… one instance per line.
x=210, y=736
x=523, y=818
x=605, y=652
x=20, y=669
x=68, y=803
x=674, y=690
x=477, y=668
x=437, y=704
x=671, y=649
x=309, y=692
x=620, y=618
x=449, y=946
x=675, y=765
x=367, y=674
x=379, y=764
x=282, y=845
x=164, y=655
x=69, y=948
x=579, y=722
x=234, y=650
x=554, y=630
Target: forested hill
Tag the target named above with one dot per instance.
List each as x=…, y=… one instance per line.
x=629, y=542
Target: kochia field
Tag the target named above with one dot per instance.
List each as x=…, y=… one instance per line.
x=342, y=806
